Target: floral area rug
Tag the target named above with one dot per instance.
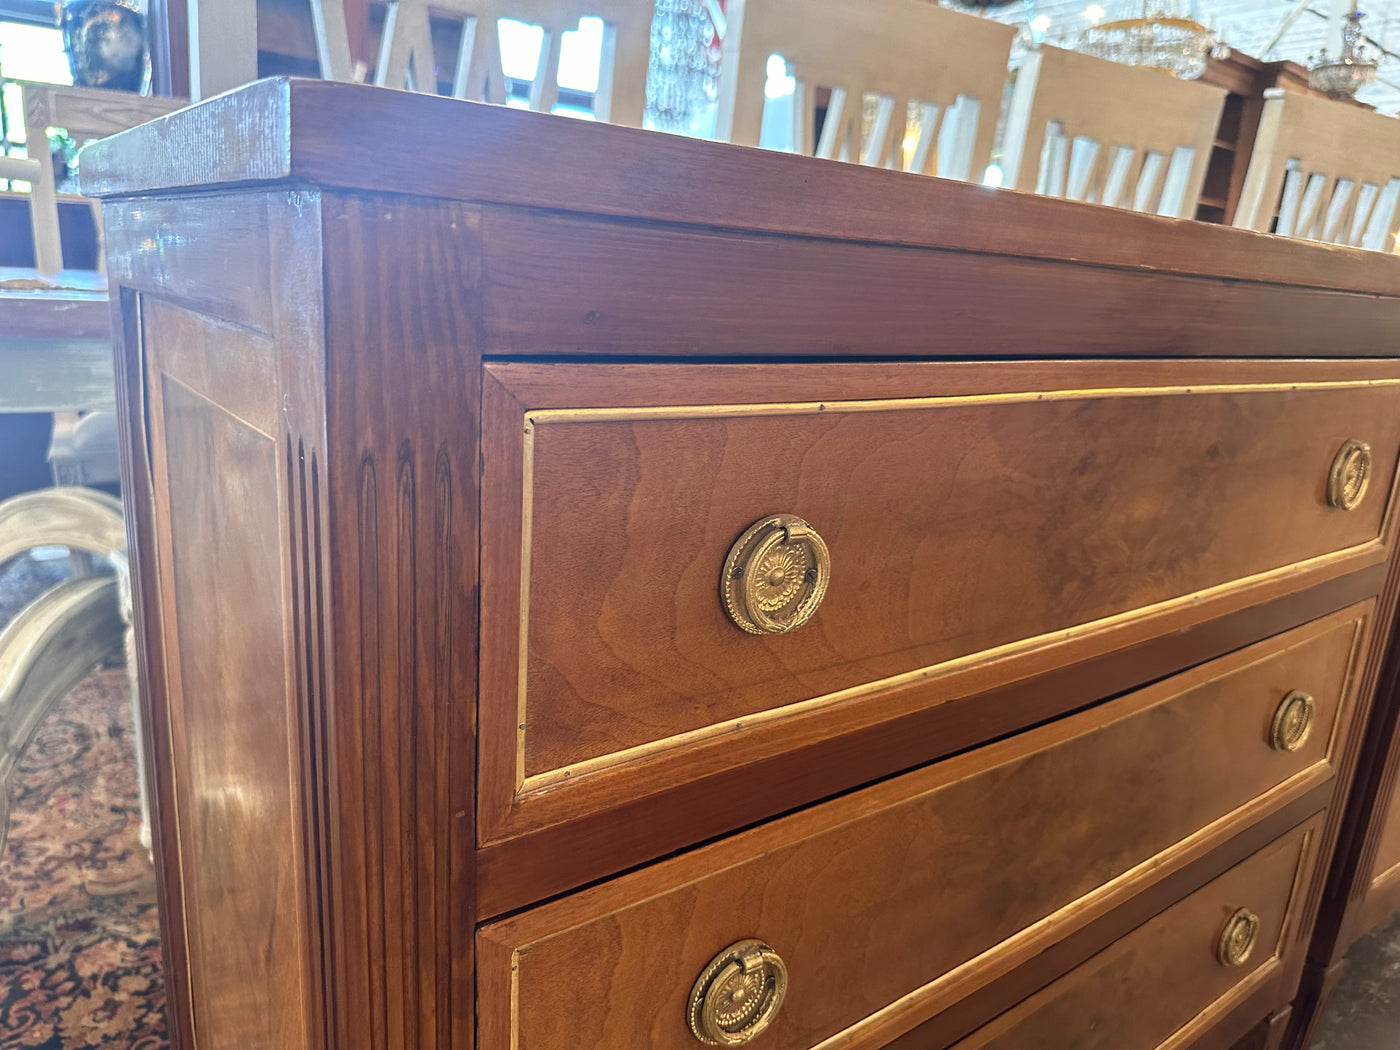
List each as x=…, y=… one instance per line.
x=80, y=961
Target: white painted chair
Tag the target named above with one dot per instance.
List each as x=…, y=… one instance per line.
x=406, y=52
x=1091, y=130
x=83, y=448
x=86, y=114
x=914, y=86
x=1329, y=170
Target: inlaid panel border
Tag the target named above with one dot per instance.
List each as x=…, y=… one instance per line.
x=536, y=801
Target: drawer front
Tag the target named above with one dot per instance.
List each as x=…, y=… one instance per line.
x=1170, y=979
x=1005, y=513
x=880, y=901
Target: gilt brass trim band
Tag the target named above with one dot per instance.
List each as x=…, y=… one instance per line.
x=734, y=410
x=1237, y=939
x=1350, y=475
x=1293, y=721
x=737, y=995
x=775, y=575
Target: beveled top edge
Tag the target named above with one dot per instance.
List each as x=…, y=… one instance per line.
x=243, y=135
x=361, y=138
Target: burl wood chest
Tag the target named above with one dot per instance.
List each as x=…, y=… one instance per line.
x=605, y=590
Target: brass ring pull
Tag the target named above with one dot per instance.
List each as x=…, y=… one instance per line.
x=1293, y=722
x=776, y=575
x=1350, y=475
x=737, y=996
x=1237, y=939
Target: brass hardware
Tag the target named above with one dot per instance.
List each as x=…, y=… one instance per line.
x=737, y=996
x=1237, y=939
x=775, y=576
x=1293, y=722
x=1350, y=475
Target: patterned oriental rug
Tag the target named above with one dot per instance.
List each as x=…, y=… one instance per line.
x=80, y=962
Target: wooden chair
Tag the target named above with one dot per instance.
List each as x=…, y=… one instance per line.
x=86, y=114
x=69, y=629
x=1092, y=130
x=406, y=52
x=1330, y=171
x=937, y=77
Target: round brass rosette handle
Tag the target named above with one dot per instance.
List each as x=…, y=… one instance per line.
x=1350, y=475
x=1237, y=939
x=1293, y=722
x=737, y=996
x=776, y=575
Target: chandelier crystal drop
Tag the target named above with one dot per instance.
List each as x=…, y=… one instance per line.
x=1344, y=76
x=1160, y=38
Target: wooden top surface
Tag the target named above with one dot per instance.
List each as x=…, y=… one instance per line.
x=354, y=137
x=71, y=304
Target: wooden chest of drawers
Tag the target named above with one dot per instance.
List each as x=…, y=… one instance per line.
x=606, y=590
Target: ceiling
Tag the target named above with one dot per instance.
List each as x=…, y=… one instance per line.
x=1245, y=25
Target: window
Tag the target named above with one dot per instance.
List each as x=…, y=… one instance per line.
x=28, y=51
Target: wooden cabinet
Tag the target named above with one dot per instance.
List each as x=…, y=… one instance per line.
x=895, y=900
x=1166, y=982
x=603, y=589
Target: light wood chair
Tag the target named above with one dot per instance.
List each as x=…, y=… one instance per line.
x=86, y=114
x=69, y=629
x=1092, y=130
x=406, y=52
x=936, y=75
x=1330, y=171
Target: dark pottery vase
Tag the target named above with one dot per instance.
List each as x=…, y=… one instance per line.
x=106, y=44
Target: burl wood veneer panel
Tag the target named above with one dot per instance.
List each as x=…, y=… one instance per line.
x=892, y=902
x=1163, y=985
x=978, y=518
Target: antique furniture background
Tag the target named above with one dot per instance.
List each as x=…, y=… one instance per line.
x=1331, y=169
x=646, y=605
x=1077, y=128
x=934, y=76
x=56, y=349
x=406, y=53
x=86, y=114
x=1245, y=78
x=68, y=630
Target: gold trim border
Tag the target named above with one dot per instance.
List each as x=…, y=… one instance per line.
x=533, y=419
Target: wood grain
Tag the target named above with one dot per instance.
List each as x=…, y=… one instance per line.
x=972, y=1013
x=905, y=874
x=815, y=764
x=236, y=751
x=1161, y=985
x=296, y=128
x=568, y=284
x=402, y=525
x=339, y=449
x=631, y=656
x=236, y=773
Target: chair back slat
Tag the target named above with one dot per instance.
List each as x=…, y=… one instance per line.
x=913, y=85
x=1088, y=129
x=1329, y=171
x=406, y=51
x=85, y=114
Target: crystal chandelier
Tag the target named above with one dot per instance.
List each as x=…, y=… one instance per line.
x=1159, y=38
x=684, y=71
x=1342, y=77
